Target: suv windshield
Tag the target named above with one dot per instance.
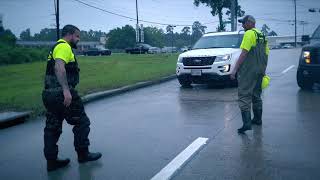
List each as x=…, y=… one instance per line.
x=223, y=41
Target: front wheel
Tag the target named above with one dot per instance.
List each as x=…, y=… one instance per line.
x=185, y=83
x=234, y=83
x=304, y=83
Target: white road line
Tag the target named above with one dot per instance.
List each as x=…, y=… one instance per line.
x=286, y=70
x=167, y=172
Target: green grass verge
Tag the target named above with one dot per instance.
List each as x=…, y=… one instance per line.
x=21, y=85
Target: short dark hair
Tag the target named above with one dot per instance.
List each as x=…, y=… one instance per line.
x=69, y=29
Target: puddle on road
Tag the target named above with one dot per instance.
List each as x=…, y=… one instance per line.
x=204, y=93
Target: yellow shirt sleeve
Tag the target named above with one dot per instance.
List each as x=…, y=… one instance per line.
x=63, y=51
x=248, y=41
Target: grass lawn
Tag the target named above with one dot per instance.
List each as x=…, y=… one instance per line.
x=21, y=85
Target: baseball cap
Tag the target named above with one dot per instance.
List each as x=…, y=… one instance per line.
x=247, y=18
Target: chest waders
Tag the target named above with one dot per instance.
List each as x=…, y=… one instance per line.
x=250, y=77
x=56, y=112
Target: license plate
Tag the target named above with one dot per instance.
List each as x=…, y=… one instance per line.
x=196, y=72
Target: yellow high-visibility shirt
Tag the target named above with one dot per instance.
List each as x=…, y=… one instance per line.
x=250, y=40
x=64, y=52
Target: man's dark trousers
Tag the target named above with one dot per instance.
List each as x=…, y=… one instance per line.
x=56, y=113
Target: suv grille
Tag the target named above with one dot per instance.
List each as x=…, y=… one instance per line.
x=198, y=61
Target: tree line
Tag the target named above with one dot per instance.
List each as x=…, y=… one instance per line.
x=123, y=37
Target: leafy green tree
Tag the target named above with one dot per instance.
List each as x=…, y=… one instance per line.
x=26, y=35
x=121, y=38
x=197, y=30
x=46, y=34
x=217, y=7
x=265, y=29
x=154, y=36
x=169, y=29
x=7, y=38
x=186, y=30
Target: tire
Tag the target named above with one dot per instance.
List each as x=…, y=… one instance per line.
x=234, y=83
x=303, y=83
x=184, y=83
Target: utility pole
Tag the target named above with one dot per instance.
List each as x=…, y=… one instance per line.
x=233, y=12
x=172, y=26
x=137, y=25
x=236, y=14
x=57, y=18
x=295, y=23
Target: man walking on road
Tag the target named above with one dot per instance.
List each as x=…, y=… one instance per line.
x=62, y=101
x=250, y=68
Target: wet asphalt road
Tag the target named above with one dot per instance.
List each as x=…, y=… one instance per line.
x=140, y=132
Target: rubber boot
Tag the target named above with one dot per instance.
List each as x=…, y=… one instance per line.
x=257, y=117
x=86, y=156
x=56, y=164
x=246, y=119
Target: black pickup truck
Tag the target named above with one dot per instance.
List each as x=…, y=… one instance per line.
x=97, y=52
x=139, y=48
x=309, y=64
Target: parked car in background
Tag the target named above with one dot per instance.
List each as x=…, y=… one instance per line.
x=154, y=50
x=97, y=52
x=276, y=47
x=287, y=46
x=169, y=50
x=184, y=49
x=139, y=48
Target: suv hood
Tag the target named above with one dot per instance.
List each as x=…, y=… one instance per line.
x=209, y=52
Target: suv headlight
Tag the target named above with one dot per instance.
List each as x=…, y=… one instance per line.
x=306, y=56
x=180, y=59
x=223, y=58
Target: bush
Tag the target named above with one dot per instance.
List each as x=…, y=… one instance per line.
x=18, y=55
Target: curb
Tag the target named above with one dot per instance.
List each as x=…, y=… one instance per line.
x=8, y=119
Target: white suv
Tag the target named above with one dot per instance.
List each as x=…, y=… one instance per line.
x=211, y=60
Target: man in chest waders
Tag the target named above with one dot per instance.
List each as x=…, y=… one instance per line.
x=62, y=101
x=250, y=69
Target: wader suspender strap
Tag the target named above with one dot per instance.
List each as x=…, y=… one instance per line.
x=258, y=35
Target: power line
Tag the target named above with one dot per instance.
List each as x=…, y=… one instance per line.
x=127, y=17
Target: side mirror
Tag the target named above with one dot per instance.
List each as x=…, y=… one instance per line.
x=305, y=38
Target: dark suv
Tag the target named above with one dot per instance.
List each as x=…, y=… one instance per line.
x=309, y=64
x=139, y=48
x=97, y=52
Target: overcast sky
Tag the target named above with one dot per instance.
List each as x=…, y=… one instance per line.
x=19, y=15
